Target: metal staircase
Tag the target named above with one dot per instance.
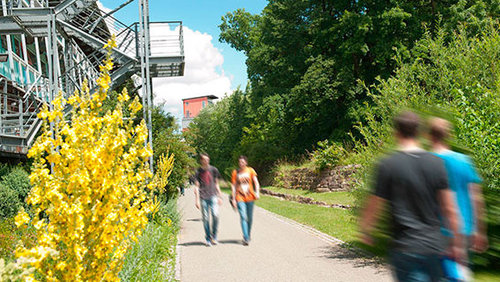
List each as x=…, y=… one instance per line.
x=74, y=32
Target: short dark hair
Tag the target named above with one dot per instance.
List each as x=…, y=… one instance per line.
x=407, y=124
x=204, y=155
x=439, y=129
x=243, y=157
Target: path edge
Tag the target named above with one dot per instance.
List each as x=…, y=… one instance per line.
x=326, y=238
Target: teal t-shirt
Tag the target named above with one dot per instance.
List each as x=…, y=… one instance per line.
x=461, y=173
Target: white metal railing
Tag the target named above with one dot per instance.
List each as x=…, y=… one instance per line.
x=23, y=74
x=104, y=27
x=82, y=68
x=166, y=39
x=18, y=114
x=39, y=89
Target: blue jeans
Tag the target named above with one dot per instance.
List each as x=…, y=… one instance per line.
x=246, y=216
x=212, y=205
x=416, y=267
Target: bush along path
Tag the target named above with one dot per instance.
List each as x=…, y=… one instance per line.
x=280, y=250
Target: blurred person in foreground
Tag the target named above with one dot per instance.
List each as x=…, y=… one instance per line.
x=245, y=189
x=414, y=184
x=207, y=192
x=465, y=183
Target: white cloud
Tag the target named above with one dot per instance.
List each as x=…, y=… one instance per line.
x=202, y=62
x=200, y=74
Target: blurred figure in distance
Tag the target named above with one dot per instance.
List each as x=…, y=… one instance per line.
x=245, y=189
x=208, y=197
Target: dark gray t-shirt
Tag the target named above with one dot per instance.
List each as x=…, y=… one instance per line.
x=410, y=182
x=206, y=179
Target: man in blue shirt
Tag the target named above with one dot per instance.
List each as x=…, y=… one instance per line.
x=464, y=181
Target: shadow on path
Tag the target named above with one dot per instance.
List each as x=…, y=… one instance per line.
x=199, y=243
x=357, y=257
x=193, y=219
x=187, y=244
x=235, y=242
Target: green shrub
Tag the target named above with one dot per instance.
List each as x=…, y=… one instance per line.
x=328, y=154
x=9, y=202
x=17, y=180
x=4, y=169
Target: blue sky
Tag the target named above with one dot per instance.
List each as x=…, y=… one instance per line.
x=202, y=16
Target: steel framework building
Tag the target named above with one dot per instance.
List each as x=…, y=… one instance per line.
x=50, y=46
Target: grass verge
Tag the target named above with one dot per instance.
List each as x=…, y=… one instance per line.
x=342, y=198
x=487, y=275
x=338, y=223
x=152, y=258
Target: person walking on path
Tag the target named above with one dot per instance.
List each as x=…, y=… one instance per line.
x=414, y=184
x=465, y=183
x=208, y=194
x=244, y=191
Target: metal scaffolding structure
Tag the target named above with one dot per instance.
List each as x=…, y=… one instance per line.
x=51, y=46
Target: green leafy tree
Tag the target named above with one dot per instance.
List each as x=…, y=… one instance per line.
x=313, y=54
x=168, y=140
x=218, y=129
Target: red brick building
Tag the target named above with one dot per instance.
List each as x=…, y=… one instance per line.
x=193, y=106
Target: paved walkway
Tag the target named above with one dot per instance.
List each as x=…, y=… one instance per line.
x=281, y=250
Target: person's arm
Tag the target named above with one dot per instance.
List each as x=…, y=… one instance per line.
x=233, y=189
x=257, y=186
x=369, y=217
x=219, y=193
x=448, y=209
x=375, y=202
x=480, y=238
x=197, y=193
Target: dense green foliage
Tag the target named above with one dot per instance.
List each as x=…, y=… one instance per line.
x=14, y=187
x=458, y=79
x=17, y=180
x=9, y=202
x=305, y=62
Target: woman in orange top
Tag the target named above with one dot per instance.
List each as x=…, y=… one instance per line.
x=244, y=191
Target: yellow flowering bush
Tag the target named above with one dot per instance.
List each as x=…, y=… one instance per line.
x=89, y=196
x=165, y=165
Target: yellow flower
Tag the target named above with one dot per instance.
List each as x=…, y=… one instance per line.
x=94, y=199
x=39, y=224
x=135, y=106
x=21, y=218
